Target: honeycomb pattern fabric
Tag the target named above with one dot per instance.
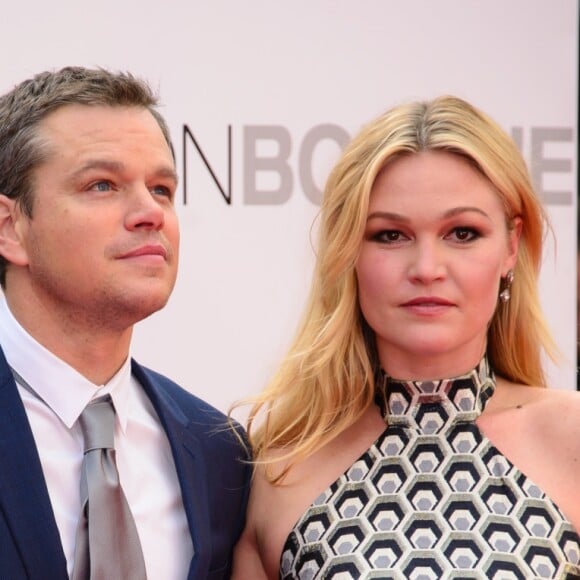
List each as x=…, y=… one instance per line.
x=433, y=499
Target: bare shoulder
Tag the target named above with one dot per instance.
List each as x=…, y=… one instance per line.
x=545, y=411
x=558, y=406
x=554, y=419
x=545, y=418
x=538, y=430
x=249, y=557
x=274, y=509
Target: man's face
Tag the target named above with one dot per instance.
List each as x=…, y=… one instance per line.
x=102, y=244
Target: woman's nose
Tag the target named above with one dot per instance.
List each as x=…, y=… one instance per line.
x=427, y=262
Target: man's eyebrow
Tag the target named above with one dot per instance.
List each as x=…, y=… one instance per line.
x=168, y=172
x=113, y=166
x=118, y=167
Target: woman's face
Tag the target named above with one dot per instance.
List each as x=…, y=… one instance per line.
x=435, y=247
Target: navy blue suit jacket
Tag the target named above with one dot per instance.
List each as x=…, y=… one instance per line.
x=210, y=462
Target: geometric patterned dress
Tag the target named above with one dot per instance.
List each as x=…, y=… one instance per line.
x=433, y=499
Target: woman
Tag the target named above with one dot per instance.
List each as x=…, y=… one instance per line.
x=407, y=433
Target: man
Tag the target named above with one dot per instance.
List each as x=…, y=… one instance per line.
x=88, y=247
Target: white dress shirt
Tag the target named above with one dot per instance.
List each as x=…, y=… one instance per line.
x=146, y=468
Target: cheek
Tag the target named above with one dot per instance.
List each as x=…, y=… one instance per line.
x=376, y=284
x=366, y=276
x=171, y=230
x=482, y=291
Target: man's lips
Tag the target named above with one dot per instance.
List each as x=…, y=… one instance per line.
x=147, y=250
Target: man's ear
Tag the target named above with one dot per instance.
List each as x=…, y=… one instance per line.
x=11, y=246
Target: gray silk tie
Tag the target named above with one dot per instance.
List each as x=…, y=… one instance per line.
x=107, y=543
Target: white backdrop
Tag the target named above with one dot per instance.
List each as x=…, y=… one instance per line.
x=291, y=80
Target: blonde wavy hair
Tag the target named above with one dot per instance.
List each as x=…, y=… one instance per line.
x=327, y=379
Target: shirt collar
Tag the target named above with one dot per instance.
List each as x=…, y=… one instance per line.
x=58, y=384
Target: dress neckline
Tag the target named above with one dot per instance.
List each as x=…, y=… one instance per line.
x=429, y=406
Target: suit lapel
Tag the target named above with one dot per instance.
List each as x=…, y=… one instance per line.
x=24, y=496
x=191, y=469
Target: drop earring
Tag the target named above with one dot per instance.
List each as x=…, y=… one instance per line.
x=505, y=294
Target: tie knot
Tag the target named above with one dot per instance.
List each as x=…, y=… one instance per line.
x=98, y=424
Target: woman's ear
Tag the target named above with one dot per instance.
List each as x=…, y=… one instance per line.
x=11, y=246
x=514, y=235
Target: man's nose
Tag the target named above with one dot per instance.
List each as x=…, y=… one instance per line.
x=145, y=210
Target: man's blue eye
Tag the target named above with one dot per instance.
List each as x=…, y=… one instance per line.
x=102, y=186
x=162, y=190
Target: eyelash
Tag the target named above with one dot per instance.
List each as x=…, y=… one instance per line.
x=384, y=236
x=162, y=190
x=389, y=237
x=95, y=185
x=473, y=234
x=167, y=192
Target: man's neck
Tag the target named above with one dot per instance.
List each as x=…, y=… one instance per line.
x=95, y=351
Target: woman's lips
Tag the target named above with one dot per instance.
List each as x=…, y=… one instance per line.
x=428, y=305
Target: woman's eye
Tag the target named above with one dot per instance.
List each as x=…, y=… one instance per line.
x=464, y=234
x=389, y=236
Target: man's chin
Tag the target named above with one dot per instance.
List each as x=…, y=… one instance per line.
x=134, y=307
x=146, y=306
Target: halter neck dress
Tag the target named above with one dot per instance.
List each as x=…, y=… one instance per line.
x=433, y=499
